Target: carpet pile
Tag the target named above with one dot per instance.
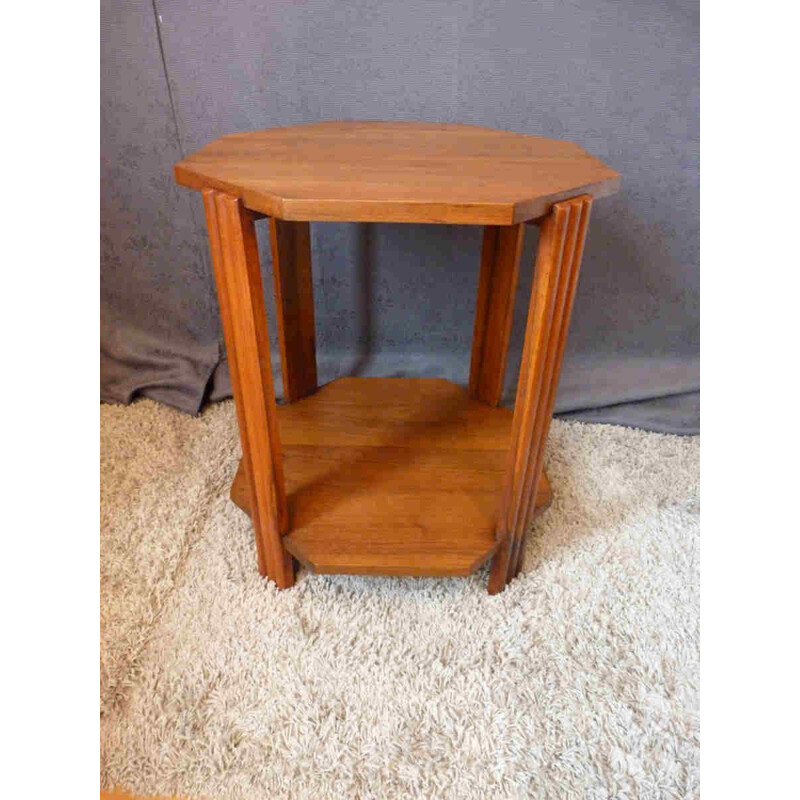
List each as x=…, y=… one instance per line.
x=580, y=680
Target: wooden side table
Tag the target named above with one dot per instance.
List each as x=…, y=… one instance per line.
x=396, y=476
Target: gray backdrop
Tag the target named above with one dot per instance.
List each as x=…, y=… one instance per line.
x=619, y=77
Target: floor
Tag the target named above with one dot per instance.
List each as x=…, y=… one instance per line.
x=580, y=679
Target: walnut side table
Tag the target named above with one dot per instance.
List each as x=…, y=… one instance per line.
x=393, y=476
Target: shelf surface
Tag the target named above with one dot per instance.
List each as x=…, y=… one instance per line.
x=396, y=172
x=392, y=476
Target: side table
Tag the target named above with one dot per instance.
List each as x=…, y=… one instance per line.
x=393, y=476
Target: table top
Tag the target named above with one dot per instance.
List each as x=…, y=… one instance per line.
x=396, y=172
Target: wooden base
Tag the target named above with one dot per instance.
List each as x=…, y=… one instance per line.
x=392, y=476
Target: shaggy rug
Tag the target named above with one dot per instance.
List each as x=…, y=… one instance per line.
x=580, y=680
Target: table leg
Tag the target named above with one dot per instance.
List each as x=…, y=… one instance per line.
x=294, y=303
x=494, y=312
x=563, y=233
x=234, y=252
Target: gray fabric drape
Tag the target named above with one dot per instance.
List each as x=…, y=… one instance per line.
x=619, y=77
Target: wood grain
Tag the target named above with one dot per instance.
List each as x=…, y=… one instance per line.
x=396, y=172
x=294, y=305
x=555, y=280
x=238, y=275
x=392, y=476
x=494, y=310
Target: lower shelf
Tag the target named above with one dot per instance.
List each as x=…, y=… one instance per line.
x=392, y=476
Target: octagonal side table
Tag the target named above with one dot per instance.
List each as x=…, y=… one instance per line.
x=393, y=476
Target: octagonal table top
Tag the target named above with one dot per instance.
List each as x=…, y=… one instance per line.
x=396, y=172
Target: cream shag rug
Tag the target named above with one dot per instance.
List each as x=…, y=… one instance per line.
x=579, y=681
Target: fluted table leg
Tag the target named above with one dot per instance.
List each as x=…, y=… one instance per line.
x=294, y=305
x=234, y=252
x=558, y=260
x=497, y=286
